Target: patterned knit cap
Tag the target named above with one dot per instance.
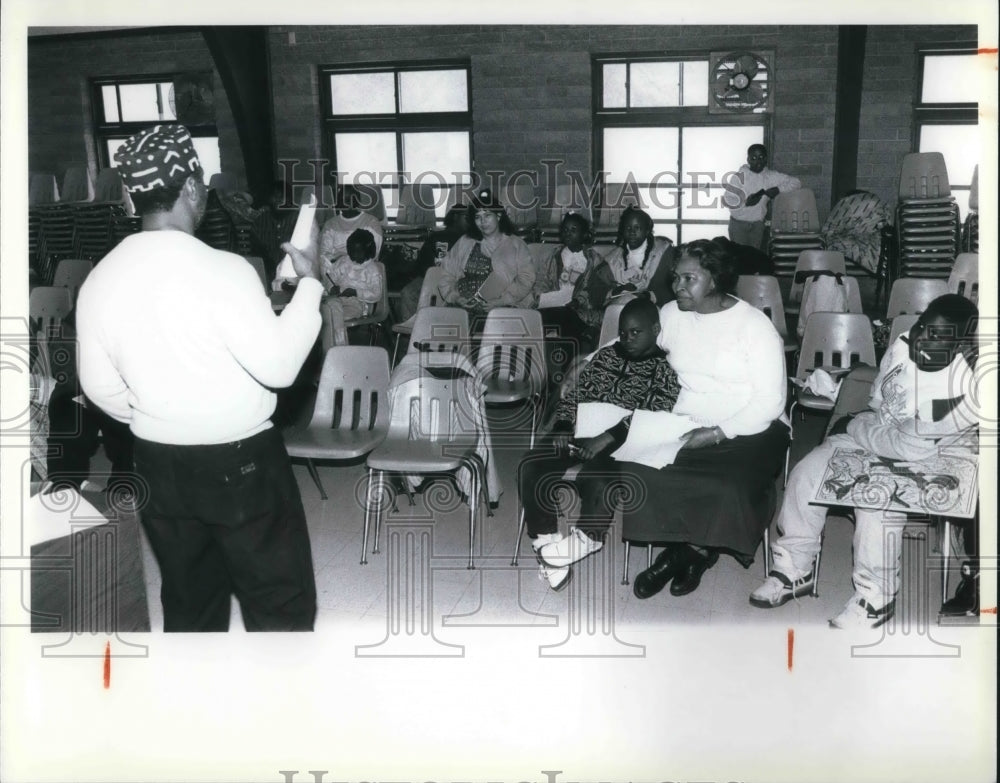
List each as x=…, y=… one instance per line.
x=157, y=157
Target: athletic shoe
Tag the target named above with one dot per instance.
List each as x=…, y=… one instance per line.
x=860, y=614
x=542, y=539
x=778, y=589
x=576, y=546
x=557, y=578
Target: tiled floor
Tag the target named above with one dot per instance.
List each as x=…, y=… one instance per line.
x=420, y=574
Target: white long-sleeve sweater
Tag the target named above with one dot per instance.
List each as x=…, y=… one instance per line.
x=179, y=340
x=731, y=367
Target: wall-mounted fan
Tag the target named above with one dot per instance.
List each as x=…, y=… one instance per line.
x=740, y=82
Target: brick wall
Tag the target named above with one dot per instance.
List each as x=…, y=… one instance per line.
x=531, y=88
x=60, y=119
x=888, y=95
x=531, y=85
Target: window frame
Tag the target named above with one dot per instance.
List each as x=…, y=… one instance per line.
x=105, y=131
x=679, y=117
x=925, y=114
x=397, y=122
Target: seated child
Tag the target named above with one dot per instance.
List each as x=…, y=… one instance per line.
x=345, y=221
x=922, y=394
x=355, y=288
x=571, y=269
x=632, y=374
x=640, y=261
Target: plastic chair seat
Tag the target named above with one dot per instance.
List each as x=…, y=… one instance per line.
x=813, y=401
x=307, y=443
x=501, y=391
x=418, y=456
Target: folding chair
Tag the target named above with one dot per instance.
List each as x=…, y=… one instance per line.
x=430, y=296
x=351, y=414
x=811, y=261
x=431, y=430
x=512, y=359
x=964, y=277
x=70, y=273
x=911, y=295
x=764, y=293
x=441, y=329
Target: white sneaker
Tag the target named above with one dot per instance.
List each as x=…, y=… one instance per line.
x=544, y=538
x=778, y=589
x=557, y=578
x=576, y=546
x=860, y=614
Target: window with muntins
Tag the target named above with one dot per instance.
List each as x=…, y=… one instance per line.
x=398, y=124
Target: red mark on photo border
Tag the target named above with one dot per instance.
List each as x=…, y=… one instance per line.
x=791, y=646
x=987, y=51
x=990, y=610
x=107, y=666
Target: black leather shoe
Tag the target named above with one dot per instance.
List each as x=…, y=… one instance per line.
x=666, y=566
x=693, y=565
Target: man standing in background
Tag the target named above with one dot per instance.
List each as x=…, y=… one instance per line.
x=755, y=185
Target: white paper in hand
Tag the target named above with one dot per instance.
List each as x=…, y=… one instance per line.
x=595, y=418
x=654, y=438
x=557, y=298
x=301, y=236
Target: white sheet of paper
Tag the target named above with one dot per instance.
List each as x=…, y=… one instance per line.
x=654, y=438
x=47, y=518
x=301, y=236
x=593, y=418
x=557, y=298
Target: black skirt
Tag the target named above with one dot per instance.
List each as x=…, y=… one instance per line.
x=721, y=497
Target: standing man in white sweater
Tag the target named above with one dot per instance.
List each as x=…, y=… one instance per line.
x=754, y=186
x=179, y=341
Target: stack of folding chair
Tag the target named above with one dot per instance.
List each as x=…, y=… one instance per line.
x=927, y=219
x=795, y=226
x=92, y=229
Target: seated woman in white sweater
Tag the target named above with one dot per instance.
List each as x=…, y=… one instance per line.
x=731, y=365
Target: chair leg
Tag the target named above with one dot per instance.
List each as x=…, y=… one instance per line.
x=819, y=554
x=946, y=556
x=368, y=511
x=395, y=350
x=315, y=477
x=520, y=533
x=378, y=510
x=628, y=546
x=767, y=550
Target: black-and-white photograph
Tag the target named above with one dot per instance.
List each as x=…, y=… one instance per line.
x=517, y=394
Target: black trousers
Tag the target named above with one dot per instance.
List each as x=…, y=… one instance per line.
x=226, y=519
x=540, y=474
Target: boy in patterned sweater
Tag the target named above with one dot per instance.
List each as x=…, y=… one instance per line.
x=632, y=374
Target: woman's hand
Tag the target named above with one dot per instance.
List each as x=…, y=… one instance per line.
x=591, y=447
x=305, y=262
x=701, y=437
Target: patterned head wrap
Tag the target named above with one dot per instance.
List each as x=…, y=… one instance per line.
x=157, y=157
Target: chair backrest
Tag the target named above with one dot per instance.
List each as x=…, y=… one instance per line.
x=851, y=301
x=70, y=273
x=811, y=260
x=764, y=293
x=258, y=263
x=603, y=250
x=433, y=409
x=50, y=305
x=42, y=189
x=923, y=175
x=795, y=212
x=78, y=185
x=901, y=324
x=964, y=278
x=440, y=329
x=513, y=346
x=836, y=340
x=353, y=392
x=416, y=205
x=430, y=294
x=109, y=186
x=609, y=324
x=913, y=294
